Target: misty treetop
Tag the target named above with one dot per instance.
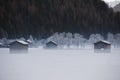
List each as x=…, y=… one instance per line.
x=68, y=40
x=42, y=18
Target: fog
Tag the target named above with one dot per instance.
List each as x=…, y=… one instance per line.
x=65, y=64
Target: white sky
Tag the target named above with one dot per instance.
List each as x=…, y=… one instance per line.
x=110, y=0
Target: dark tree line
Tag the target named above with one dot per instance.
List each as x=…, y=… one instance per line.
x=41, y=18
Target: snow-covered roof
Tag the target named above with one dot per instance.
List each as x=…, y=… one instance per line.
x=29, y=41
x=52, y=42
x=104, y=41
x=1, y=43
x=23, y=42
x=20, y=41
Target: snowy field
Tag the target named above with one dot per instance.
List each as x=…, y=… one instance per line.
x=41, y=64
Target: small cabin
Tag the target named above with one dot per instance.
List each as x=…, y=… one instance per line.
x=102, y=46
x=29, y=42
x=18, y=46
x=51, y=44
x=3, y=45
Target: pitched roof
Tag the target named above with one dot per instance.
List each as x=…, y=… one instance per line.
x=29, y=41
x=103, y=42
x=20, y=41
x=1, y=44
x=52, y=42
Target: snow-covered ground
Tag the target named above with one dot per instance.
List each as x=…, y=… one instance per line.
x=67, y=64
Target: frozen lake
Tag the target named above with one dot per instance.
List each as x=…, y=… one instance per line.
x=66, y=64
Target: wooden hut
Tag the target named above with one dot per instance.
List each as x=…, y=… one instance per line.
x=3, y=45
x=18, y=46
x=102, y=46
x=51, y=44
